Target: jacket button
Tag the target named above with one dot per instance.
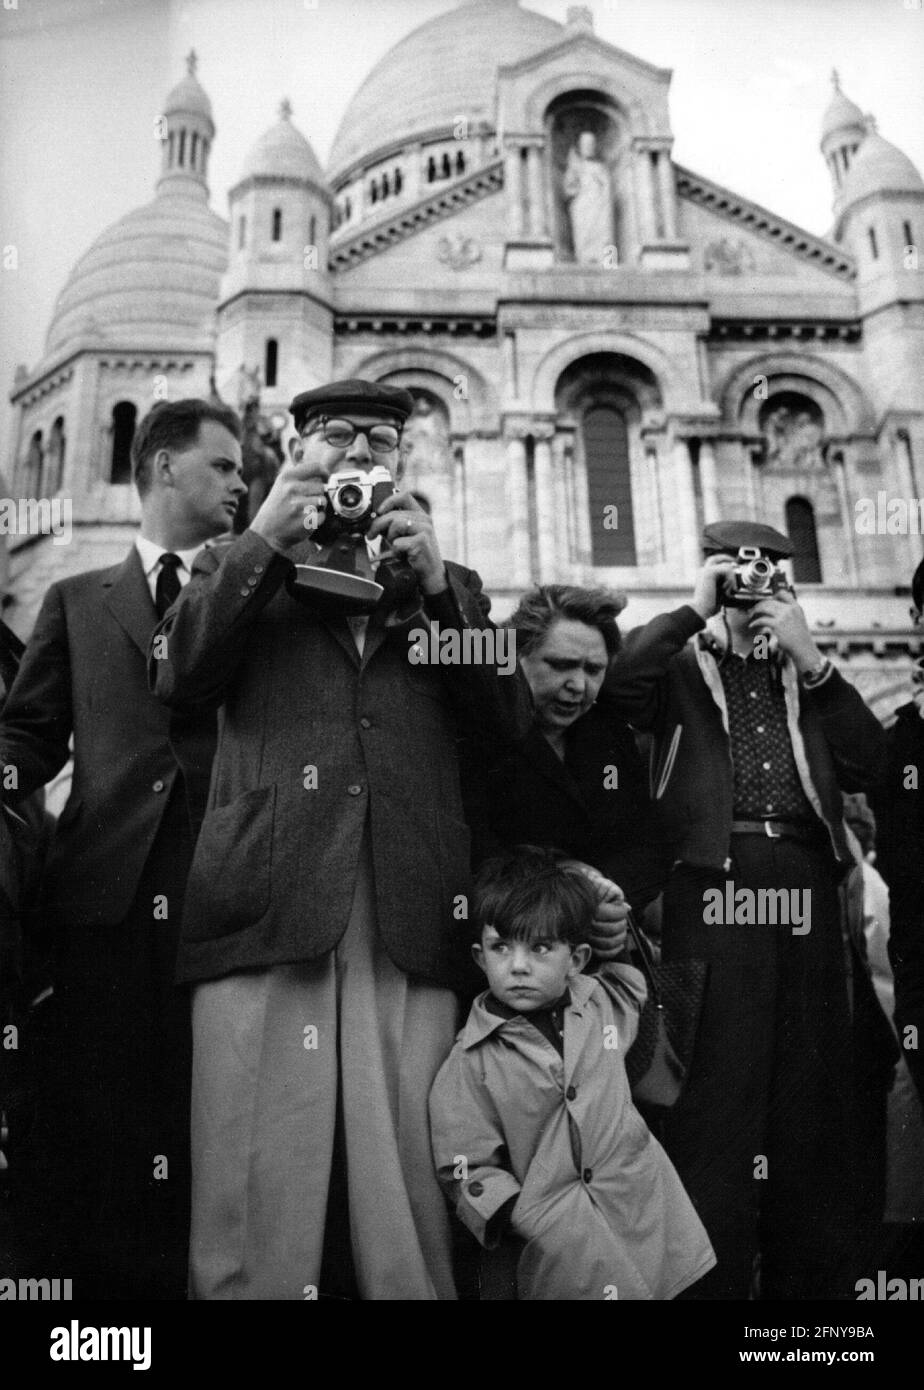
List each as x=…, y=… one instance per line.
x=258, y=569
x=253, y=581
x=157, y=786
x=355, y=790
x=475, y=1188
x=571, y=1093
x=587, y=1174
x=245, y=593
x=365, y=723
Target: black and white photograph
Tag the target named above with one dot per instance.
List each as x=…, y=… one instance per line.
x=462, y=684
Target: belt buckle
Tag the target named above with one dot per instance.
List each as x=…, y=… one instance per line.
x=771, y=834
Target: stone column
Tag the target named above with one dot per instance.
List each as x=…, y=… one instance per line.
x=653, y=463
x=684, y=502
x=546, y=505
x=517, y=512
x=538, y=221
x=513, y=168
x=668, y=195
x=644, y=198
x=838, y=459
x=460, y=501
x=709, y=481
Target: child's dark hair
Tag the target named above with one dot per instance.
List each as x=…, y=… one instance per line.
x=528, y=894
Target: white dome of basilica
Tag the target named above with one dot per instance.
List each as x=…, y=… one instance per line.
x=283, y=152
x=880, y=167
x=444, y=69
x=150, y=280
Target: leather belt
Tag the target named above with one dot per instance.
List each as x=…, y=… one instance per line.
x=777, y=829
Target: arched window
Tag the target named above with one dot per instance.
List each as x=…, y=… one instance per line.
x=277, y=224
x=609, y=485
x=873, y=243
x=182, y=153
x=431, y=170
x=373, y=192
x=170, y=150
x=124, y=416
x=386, y=185
x=447, y=167
x=800, y=524
x=908, y=233
x=399, y=181
x=32, y=468
x=56, y=448
x=242, y=233
x=272, y=362
x=312, y=231
x=192, y=149
x=460, y=162
x=349, y=209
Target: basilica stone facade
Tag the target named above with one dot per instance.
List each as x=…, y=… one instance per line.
x=606, y=349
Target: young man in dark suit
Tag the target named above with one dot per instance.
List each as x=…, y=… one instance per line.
x=326, y=900
x=116, y=871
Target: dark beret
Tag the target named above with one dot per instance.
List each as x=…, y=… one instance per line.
x=721, y=536
x=917, y=586
x=340, y=397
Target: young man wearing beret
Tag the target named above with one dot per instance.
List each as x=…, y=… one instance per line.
x=778, y=1136
x=325, y=900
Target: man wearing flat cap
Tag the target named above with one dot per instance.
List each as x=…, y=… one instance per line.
x=323, y=909
x=778, y=1133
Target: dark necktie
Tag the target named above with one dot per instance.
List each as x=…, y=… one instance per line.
x=168, y=583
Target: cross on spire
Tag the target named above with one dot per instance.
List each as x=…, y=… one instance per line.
x=285, y=109
x=192, y=62
x=836, y=79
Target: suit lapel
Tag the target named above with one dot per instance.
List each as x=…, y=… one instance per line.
x=128, y=599
x=549, y=765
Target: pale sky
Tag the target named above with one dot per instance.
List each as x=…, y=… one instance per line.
x=83, y=81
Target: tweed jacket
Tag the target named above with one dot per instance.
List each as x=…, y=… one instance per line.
x=318, y=745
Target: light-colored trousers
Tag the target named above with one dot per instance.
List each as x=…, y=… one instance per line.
x=270, y=1049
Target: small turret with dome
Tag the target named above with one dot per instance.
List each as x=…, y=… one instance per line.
x=843, y=130
x=274, y=315
x=188, y=137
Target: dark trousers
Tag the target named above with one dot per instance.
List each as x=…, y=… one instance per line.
x=778, y=1137
x=123, y=1186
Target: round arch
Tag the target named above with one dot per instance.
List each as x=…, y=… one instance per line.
x=840, y=398
x=562, y=84
x=437, y=372
x=559, y=358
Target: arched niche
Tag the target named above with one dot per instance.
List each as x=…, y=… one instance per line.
x=571, y=119
x=471, y=400
x=637, y=361
x=745, y=390
x=122, y=432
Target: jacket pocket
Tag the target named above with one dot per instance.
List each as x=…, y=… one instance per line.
x=231, y=876
x=665, y=767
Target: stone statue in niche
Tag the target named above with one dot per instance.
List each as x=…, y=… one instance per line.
x=794, y=440
x=588, y=192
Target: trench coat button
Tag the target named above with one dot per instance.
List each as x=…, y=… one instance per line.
x=365, y=723
x=157, y=786
x=571, y=1093
x=245, y=593
x=587, y=1174
x=258, y=569
x=355, y=790
x=253, y=581
x=475, y=1188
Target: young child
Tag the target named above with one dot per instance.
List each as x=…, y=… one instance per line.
x=533, y=1125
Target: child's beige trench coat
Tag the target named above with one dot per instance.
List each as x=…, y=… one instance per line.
x=599, y=1203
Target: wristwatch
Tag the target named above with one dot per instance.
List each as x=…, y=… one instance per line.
x=818, y=673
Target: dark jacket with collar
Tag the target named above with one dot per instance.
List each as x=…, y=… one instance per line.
x=663, y=682
x=84, y=675
x=314, y=742
x=528, y=795
x=898, y=802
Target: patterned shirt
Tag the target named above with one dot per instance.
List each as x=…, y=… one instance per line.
x=767, y=781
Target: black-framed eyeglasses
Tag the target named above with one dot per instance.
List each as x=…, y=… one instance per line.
x=382, y=439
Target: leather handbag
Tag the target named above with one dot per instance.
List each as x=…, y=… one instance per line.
x=658, y=1060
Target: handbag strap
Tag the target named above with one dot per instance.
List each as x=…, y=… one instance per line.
x=646, y=960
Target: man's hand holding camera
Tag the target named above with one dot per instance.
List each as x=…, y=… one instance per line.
x=408, y=530
x=781, y=617
x=294, y=507
x=709, y=593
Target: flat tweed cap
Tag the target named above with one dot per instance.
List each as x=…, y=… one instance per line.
x=340, y=397
x=722, y=536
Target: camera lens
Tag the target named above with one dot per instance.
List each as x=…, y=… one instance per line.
x=350, y=497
